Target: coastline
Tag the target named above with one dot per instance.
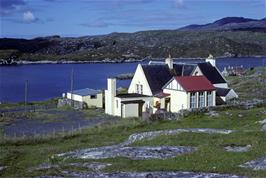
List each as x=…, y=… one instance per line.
x=25, y=62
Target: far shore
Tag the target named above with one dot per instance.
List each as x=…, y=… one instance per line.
x=25, y=62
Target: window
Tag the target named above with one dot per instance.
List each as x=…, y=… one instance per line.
x=209, y=98
x=193, y=100
x=93, y=96
x=137, y=88
x=201, y=99
x=141, y=89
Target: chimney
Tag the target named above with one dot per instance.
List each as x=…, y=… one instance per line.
x=111, y=86
x=169, y=62
x=110, y=94
x=211, y=60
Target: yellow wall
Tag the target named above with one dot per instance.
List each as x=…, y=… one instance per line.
x=94, y=102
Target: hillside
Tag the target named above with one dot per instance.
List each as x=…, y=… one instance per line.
x=225, y=37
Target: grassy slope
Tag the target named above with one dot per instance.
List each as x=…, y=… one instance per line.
x=21, y=155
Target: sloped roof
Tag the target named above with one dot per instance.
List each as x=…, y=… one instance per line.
x=157, y=76
x=211, y=73
x=183, y=69
x=195, y=83
x=222, y=91
x=130, y=95
x=85, y=92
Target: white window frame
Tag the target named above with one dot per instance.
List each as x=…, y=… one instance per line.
x=193, y=101
x=209, y=98
x=141, y=89
x=201, y=100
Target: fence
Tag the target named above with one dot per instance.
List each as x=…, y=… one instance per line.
x=38, y=135
x=30, y=107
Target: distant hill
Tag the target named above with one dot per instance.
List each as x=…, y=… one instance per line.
x=231, y=24
x=231, y=36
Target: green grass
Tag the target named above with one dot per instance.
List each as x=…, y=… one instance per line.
x=23, y=154
x=250, y=86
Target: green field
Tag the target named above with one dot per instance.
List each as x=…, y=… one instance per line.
x=21, y=155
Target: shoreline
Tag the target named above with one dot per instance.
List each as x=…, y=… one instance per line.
x=25, y=62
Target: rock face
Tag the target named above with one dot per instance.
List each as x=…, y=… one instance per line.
x=95, y=166
x=238, y=148
x=263, y=128
x=151, y=175
x=258, y=164
x=159, y=152
x=135, y=153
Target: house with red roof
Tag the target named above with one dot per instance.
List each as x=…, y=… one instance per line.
x=169, y=86
x=189, y=92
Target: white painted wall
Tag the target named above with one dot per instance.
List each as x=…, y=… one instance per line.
x=139, y=78
x=221, y=85
x=197, y=72
x=117, y=108
x=109, y=96
x=178, y=99
x=74, y=97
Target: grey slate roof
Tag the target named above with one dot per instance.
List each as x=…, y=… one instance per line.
x=157, y=76
x=211, y=73
x=222, y=91
x=86, y=92
x=183, y=69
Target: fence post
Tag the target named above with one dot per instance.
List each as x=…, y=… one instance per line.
x=63, y=130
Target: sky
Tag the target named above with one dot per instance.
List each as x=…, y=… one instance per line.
x=34, y=18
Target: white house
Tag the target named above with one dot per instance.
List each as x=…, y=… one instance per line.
x=168, y=86
x=189, y=92
x=93, y=98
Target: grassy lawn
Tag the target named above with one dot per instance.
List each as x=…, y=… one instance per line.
x=22, y=154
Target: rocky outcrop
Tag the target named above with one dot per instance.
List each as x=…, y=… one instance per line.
x=150, y=175
x=258, y=164
x=159, y=152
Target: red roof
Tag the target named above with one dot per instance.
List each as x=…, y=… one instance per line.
x=195, y=83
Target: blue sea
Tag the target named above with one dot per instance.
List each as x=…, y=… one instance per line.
x=51, y=80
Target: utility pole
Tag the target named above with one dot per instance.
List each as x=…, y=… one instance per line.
x=71, y=85
x=26, y=94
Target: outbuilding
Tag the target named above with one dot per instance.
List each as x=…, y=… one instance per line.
x=91, y=97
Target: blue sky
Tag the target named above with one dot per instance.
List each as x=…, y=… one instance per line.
x=32, y=18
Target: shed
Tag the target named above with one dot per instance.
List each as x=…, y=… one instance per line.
x=92, y=97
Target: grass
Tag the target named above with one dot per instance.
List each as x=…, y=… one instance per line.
x=250, y=86
x=23, y=154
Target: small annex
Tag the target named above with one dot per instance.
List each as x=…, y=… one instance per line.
x=91, y=97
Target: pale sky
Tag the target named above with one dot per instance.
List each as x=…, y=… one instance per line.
x=33, y=18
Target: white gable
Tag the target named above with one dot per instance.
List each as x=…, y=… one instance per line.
x=174, y=85
x=197, y=72
x=139, y=82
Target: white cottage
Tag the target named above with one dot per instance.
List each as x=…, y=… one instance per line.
x=189, y=92
x=150, y=89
